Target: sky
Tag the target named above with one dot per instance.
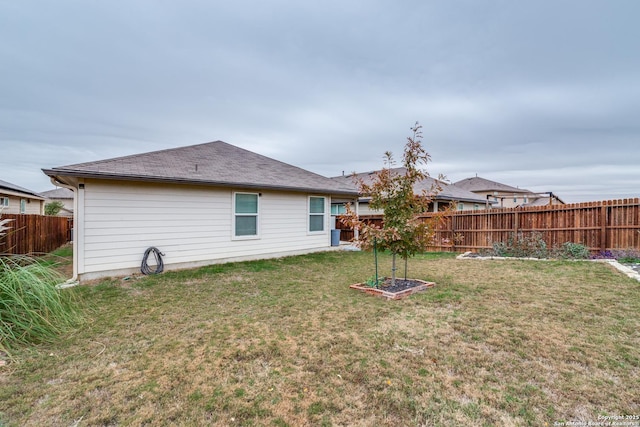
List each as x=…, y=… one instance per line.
x=542, y=95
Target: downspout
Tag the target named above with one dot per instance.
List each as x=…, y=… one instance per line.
x=74, y=280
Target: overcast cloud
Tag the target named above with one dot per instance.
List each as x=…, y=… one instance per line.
x=544, y=95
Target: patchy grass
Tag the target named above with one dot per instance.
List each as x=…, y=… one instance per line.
x=286, y=343
x=61, y=260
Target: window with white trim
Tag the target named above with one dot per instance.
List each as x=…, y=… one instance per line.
x=460, y=206
x=4, y=202
x=316, y=214
x=245, y=214
x=23, y=206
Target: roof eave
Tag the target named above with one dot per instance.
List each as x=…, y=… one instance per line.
x=463, y=199
x=57, y=173
x=16, y=193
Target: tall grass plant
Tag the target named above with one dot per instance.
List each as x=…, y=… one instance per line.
x=32, y=309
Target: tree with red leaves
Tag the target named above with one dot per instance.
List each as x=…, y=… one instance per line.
x=403, y=232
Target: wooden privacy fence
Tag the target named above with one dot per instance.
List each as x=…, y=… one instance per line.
x=30, y=234
x=604, y=225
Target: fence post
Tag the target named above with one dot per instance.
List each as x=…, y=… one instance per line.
x=603, y=227
x=453, y=232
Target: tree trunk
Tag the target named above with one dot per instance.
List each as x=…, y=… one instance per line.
x=393, y=270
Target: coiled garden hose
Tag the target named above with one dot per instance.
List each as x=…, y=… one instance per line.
x=144, y=267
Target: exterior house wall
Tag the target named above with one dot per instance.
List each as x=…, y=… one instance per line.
x=363, y=209
x=67, y=206
x=505, y=200
x=122, y=219
x=471, y=206
x=32, y=206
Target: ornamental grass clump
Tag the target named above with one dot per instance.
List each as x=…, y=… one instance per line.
x=32, y=309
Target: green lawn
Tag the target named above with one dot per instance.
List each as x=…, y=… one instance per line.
x=286, y=343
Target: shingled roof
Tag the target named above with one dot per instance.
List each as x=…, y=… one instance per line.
x=448, y=192
x=58, y=193
x=17, y=190
x=213, y=163
x=482, y=184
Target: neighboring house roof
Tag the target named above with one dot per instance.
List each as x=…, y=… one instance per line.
x=448, y=191
x=477, y=184
x=544, y=201
x=58, y=193
x=16, y=190
x=482, y=185
x=213, y=163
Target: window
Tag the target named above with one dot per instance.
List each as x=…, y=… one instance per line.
x=4, y=202
x=460, y=206
x=23, y=206
x=245, y=214
x=338, y=209
x=316, y=214
x=476, y=207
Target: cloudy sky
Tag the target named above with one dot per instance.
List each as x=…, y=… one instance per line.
x=544, y=95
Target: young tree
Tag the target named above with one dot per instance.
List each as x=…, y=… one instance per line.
x=403, y=232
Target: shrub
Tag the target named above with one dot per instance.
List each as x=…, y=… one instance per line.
x=32, y=309
x=520, y=245
x=570, y=250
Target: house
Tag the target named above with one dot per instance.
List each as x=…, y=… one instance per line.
x=62, y=195
x=18, y=200
x=447, y=196
x=199, y=205
x=506, y=196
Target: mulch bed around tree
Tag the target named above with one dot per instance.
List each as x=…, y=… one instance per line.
x=401, y=289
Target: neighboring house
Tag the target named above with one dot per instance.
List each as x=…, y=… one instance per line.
x=62, y=195
x=199, y=205
x=506, y=196
x=448, y=196
x=544, y=199
x=18, y=200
